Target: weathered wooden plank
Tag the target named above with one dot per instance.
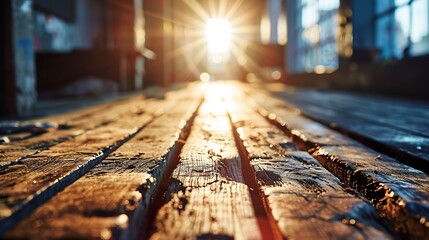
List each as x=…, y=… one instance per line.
x=393, y=112
x=112, y=200
x=305, y=199
x=400, y=193
x=7, y=138
x=395, y=132
x=393, y=108
x=206, y=196
x=35, y=179
x=26, y=185
x=74, y=124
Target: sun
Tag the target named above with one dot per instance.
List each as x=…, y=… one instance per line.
x=216, y=38
x=218, y=35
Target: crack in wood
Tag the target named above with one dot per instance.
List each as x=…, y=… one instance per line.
x=171, y=161
x=22, y=210
x=404, y=215
x=267, y=224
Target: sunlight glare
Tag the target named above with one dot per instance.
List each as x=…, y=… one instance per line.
x=218, y=34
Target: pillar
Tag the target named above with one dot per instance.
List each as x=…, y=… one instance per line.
x=17, y=81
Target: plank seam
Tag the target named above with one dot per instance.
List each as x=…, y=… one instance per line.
x=383, y=198
x=31, y=203
x=400, y=155
x=55, y=142
x=48, y=144
x=171, y=161
x=266, y=221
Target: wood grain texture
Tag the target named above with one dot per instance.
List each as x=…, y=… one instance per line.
x=399, y=128
x=113, y=199
x=405, y=116
x=400, y=193
x=35, y=179
x=135, y=169
x=206, y=197
x=71, y=125
x=305, y=199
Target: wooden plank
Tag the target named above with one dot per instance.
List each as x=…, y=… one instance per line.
x=391, y=110
x=74, y=124
x=305, y=199
x=35, y=179
x=400, y=193
x=401, y=133
x=206, y=196
x=113, y=199
x=394, y=112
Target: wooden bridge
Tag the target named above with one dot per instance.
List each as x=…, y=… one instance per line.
x=221, y=160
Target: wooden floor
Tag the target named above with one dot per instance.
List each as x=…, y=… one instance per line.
x=224, y=160
x=397, y=127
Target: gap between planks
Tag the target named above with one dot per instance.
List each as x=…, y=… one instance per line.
x=157, y=198
x=305, y=199
x=408, y=154
x=23, y=209
x=206, y=195
x=266, y=221
x=129, y=178
x=74, y=124
x=399, y=192
x=42, y=195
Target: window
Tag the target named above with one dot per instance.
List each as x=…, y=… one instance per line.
x=420, y=28
x=402, y=28
x=315, y=47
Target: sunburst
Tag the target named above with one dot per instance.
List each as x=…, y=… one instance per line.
x=224, y=17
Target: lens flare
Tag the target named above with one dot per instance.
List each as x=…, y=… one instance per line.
x=204, y=77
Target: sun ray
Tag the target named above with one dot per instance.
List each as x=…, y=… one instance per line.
x=212, y=8
x=222, y=8
x=250, y=45
x=246, y=30
x=188, y=21
x=244, y=18
x=238, y=52
x=231, y=12
x=187, y=48
x=192, y=64
x=198, y=9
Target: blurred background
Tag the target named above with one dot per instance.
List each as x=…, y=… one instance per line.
x=78, y=49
